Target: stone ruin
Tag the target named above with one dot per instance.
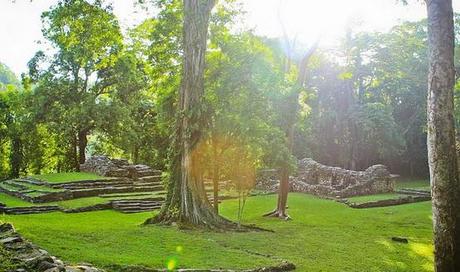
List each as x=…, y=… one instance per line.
x=29, y=257
x=327, y=181
x=107, y=167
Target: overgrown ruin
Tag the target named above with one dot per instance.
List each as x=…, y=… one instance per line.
x=327, y=181
x=127, y=187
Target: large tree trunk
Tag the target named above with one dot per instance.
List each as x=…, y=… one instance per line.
x=441, y=136
x=187, y=203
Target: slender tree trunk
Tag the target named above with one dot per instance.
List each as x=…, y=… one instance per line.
x=82, y=143
x=74, y=153
x=16, y=156
x=441, y=136
x=187, y=203
x=136, y=154
x=291, y=120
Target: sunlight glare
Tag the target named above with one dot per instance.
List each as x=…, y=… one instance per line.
x=308, y=20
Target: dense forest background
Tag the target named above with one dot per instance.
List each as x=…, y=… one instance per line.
x=104, y=91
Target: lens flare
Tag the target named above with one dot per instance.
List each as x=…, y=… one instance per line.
x=171, y=264
x=179, y=249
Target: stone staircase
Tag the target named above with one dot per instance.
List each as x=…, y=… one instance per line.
x=94, y=184
x=414, y=192
x=29, y=210
x=137, y=205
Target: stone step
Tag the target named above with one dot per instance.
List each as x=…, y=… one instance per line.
x=16, y=184
x=97, y=186
x=31, y=181
x=156, y=178
x=7, y=189
x=136, y=204
x=140, y=210
x=113, y=190
x=146, y=173
x=92, y=184
x=413, y=192
x=150, y=200
x=141, y=184
x=139, y=167
x=30, y=210
x=124, y=195
x=137, y=209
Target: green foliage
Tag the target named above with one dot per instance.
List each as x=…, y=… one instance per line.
x=101, y=92
x=7, y=78
x=368, y=102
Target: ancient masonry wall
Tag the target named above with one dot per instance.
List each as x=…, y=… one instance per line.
x=318, y=179
x=105, y=166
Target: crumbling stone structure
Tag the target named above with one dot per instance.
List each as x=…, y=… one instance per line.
x=29, y=257
x=318, y=179
x=105, y=166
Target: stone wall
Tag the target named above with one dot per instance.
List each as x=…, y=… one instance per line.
x=318, y=179
x=29, y=257
x=105, y=166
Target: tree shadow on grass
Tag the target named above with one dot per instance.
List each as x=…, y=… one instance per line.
x=417, y=256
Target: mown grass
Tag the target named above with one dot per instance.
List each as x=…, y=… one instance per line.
x=11, y=201
x=68, y=177
x=323, y=236
x=421, y=184
x=368, y=198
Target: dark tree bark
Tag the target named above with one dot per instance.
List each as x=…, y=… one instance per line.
x=73, y=152
x=186, y=202
x=82, y=143
x=441, y=136
x=16, y=156
x=135, y=154
x=291, y=120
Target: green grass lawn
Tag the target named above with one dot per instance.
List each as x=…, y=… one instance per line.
x=323, y=236
x=369, y=198
x=41, y=188
x=12, y=201
x=68, y=177
x=421, y=184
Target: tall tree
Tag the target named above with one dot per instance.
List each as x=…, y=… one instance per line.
x=78, y=78
x=186, y=201
x=444, y=177
x=291, y=112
